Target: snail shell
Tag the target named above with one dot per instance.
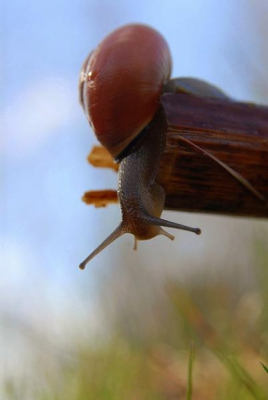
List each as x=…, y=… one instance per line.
x=121, y=83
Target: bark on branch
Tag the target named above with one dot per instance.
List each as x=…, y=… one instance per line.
x=216, y=156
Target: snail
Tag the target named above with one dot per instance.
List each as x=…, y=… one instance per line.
x=120, y=86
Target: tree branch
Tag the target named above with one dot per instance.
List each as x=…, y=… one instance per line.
x=216, y=156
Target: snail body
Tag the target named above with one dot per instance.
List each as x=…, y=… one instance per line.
x=122, y=100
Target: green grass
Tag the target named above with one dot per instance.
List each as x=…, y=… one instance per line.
x=190, y=372
x=264, y=367
x=215, y=347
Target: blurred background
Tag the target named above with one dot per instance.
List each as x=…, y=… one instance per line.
x=59, y=324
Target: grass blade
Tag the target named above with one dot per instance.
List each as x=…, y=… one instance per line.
x=190, y=372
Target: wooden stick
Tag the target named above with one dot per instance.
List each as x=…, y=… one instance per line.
x=100, y=157
x=216, y=156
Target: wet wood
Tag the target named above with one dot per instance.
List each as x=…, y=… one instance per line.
x=204, y=135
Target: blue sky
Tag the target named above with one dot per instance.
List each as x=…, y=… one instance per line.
x=45, y=229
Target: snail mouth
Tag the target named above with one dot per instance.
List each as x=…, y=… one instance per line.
x=146, y=232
